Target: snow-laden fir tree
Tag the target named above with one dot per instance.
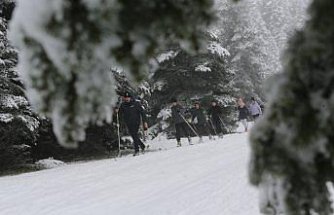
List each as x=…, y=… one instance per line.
x=255, y=33
x=283, y=17
x=292, y=146
x=254, y=53
x=67, y=46
x=203, y=76
x=18, y=124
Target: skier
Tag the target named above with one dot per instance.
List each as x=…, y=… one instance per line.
x=180, y=124
x=255, y=109
x=243, y=113
x=214, y=113
x=133, y=113
x=199, y=121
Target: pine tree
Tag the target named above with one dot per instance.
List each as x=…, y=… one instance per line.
x=67, y=46
x=254, y=54
x=18, y=124
x=292, y=146
x=203, y=76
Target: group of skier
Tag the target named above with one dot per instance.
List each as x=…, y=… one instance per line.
x=187, y=121
x=253, y=110
x=198, y=124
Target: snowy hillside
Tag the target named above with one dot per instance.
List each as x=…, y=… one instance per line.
x=207, y=178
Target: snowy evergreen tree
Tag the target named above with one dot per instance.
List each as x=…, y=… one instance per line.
x=66, y=46
x=254, y=54
x=203, y=76
x=18, y=124
x=282, y=18
x=255, y=32
x=292, y=146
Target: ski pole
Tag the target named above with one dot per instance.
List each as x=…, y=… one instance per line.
x=193, y=130
x=222, y=123
x=143, y=131
x=213, y=126
x=119, y=136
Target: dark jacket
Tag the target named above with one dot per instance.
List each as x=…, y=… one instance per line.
x=243, y=112
x=132, y=112
x=177, y=111
x=198, y=115
x=215, y=112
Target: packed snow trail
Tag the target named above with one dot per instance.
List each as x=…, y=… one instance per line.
x=207, y=178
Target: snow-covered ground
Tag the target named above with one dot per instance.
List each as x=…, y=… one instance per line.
x=207, y=178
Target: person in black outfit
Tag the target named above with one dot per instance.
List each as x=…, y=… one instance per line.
x=243, y=113
x=214, y=113
x=199, y=121
x=180, y=125
x=133, y=113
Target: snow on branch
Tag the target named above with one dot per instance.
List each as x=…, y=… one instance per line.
x=216, y=48
x=166, y=56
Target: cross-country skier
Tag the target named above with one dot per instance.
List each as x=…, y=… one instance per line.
x=178, y=113
x=199, y=121
x=133, y=113
x=215, y=112
x=255, y=109
x=243, y=113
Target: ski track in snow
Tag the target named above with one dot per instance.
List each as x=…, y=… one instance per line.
x=208, y=178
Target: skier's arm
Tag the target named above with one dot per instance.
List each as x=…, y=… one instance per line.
x=259, y=107
x=209, y=112
x=142, y=114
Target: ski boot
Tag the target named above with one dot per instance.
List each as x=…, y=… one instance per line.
x=142, y=149
x=200, y=140
x=189, y=141
x=136, y=153
x=178, y=144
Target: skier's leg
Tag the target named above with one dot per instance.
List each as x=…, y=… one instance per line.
x=200, y=131
x=186, y=131
x=217, y=126
x=178, y=133
x=133, y=130
x=207, y=131
x=245, y=124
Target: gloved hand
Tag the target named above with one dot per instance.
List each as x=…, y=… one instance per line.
x=145, y=126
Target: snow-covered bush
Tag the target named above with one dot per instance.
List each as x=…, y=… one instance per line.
x=66, y=47
x=292, y=145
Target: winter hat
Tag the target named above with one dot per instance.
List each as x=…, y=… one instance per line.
x=127, y=94
x=213, y=100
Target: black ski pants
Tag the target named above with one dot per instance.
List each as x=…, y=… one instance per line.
x=179, y=128
x=133, y=130
x=217, y=124
x=202, y=129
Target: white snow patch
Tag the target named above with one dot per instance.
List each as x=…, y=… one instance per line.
x=216, y=48
x=202, y=68
x=14, y=102
x=166, y=56
x=209, y=178
x=49, y=163
x=6, y=117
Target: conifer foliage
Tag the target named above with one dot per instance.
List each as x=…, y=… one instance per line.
x=18, y=124
x=292, y=146
x=67, y=46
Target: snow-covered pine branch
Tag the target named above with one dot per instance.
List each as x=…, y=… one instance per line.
x=66, y=45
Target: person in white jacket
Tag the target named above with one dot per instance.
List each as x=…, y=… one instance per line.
x=254, y=109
